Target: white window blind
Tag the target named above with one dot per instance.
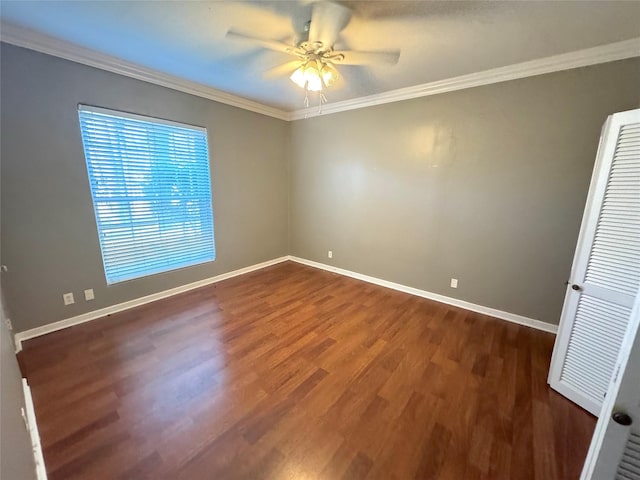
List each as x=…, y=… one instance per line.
x=151, y=192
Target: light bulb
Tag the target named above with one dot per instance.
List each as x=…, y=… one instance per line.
x=298, y=77
x=312, y=76
x=329, y=74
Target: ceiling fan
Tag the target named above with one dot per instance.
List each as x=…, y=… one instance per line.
x=314, y=66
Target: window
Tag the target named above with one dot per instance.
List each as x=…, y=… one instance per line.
x=151, y=192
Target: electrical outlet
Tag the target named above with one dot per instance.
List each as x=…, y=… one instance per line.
x=330, y=254
x=454, y=283
x=68, y=298
x=88, y=294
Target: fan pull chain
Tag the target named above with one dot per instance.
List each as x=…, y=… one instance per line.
x=306, y=103
x=322, y=99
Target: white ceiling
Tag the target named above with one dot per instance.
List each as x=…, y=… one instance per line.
x=438, y=40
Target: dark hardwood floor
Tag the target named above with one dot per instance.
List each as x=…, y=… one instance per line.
x=296, y=373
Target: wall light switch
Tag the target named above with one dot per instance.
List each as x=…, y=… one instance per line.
x=330, y=254
x=88, y=294
x=454, y=283
x=68, y=298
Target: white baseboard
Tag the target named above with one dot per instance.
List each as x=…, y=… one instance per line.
x=29, y=415
x=95, y=314
x=510, y=317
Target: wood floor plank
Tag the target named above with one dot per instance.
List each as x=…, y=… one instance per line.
x=293, y=372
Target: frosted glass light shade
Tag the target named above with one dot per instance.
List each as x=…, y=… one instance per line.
x=329, y=74
x=298, y=77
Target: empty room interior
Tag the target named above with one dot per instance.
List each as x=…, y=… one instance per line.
x=320, y=240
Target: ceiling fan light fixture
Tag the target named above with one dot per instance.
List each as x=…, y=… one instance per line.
x=314, y=76
x=308, y=77
x=316, y=62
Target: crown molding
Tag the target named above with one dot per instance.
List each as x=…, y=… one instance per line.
x=579, y=58
x=26, y=38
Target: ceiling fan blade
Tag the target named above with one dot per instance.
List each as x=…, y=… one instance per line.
x=281, y=70
x=353, y=57
x=261, y=42
x=327, y=20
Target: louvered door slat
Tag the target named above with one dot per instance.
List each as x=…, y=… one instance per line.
x=613, y=272
x=623, y=244
x=625, y=257
x=629, y=164
x=608, y=226
x=607, y=267
x=587, y=351
x=629, y=467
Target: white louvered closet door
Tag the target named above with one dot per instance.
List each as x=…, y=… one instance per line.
x=615, y=448
x=605, y=277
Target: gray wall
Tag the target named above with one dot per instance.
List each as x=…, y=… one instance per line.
x=486, y=185
x=48, y=231
x=16, y=456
